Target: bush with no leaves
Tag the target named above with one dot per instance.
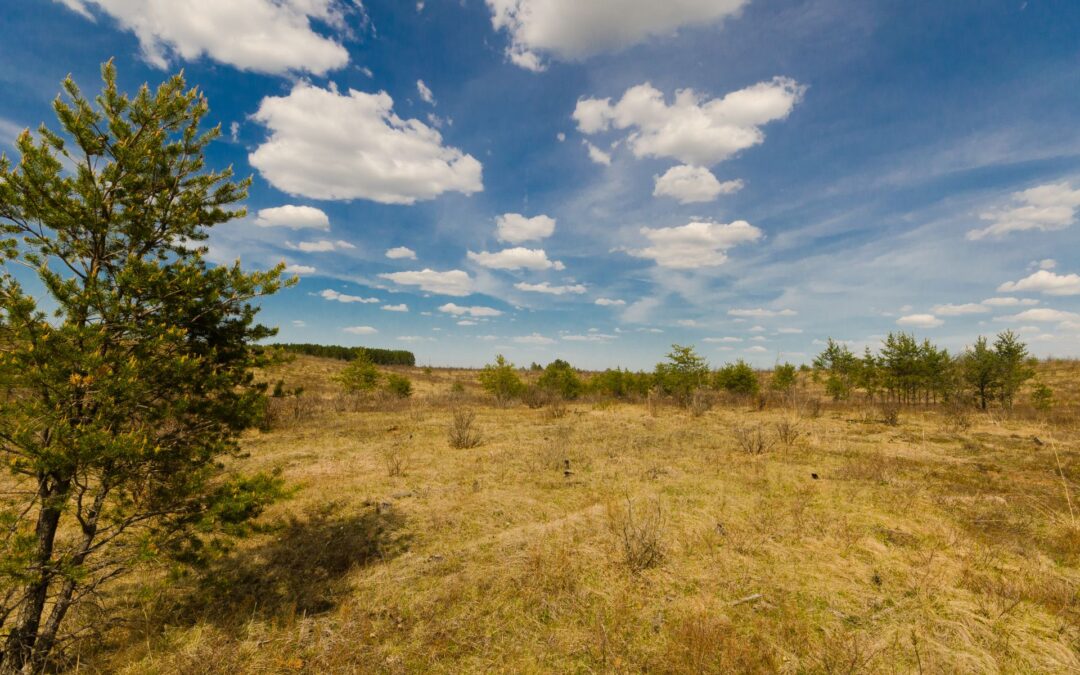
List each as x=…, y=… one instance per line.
x=753, y=440
x=556, y=409
x=700, y=403
x=787, y=432
x=463, y=432
x=639, y=533
x=890, y=414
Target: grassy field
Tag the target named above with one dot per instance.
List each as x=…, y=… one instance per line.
x=625, y=537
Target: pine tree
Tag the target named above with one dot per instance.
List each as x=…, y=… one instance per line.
x=1014, y=365
x=839, y=365
x=979, y=366
x=130, y=380
x=684, y=372
x=500, y=379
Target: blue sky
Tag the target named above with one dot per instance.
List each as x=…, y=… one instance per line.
x=596, y=181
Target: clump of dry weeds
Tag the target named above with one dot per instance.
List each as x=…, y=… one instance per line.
x=753, y=439
x=639, y=532
x=463, y=431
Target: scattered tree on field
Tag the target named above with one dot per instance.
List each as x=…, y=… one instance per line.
x=737, y=378
x=684, y=372
x=501, y=380
x=561, y=379
x=359, y=376
x=783, y=378
x=120, y=402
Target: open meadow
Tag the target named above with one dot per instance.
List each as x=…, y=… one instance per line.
x=539, y=336
x=609, y=536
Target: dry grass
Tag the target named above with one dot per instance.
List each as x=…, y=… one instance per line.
x=634, y=538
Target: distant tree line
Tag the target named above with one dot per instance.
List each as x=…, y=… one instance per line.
x=907, y=371
x=904, y=371
x=379, y=357
x=679, y=377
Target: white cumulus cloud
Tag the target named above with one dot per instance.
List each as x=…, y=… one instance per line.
x=693, y=184
x=1044, y=208
x=515, y=228
x=609, y=302
x=360, y=330
x=1041, y=315
x=597, y=155
x=919, y=321
x=452, y=282
x=425, y=92
x=396, y=308
x=401, y=253
x=294, y=217
x=322, y=246
x=697, y=244
x=960, y=310
x=325, y=144
x=1046, y=282
x=330, y=294
x=266, y=36
x=299, y=269
x=545, y=287
x=693, y=129
x=515, y=259
x=575, y=29
x=1009, y=302
x=475, y=311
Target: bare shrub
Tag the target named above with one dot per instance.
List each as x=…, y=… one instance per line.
x=418, y=412
x=288, y=410
x=534, y=397
x=463, y=431
x=956, y=417
x=811, y=408
x=890, y=414
x=753, y=440
x=787, y=432
x=652, y=401
x=396, y=459
x=639, y=532
x=700, y=403
x=349, y=402
x=557, y=409
x=557, y=449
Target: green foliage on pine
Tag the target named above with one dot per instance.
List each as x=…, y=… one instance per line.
x=129, y=382
x=560, y=378
x=360, y=375
x=398, y=385
x=684, y=372
x=1042, y=397
x=618, y=383
x=839, y=366
x=908, y=371
x=737, y=378
x=500, y=379
x=783, y=378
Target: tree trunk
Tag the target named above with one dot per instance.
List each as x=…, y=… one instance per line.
x=19, y=646
x=47, y=637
